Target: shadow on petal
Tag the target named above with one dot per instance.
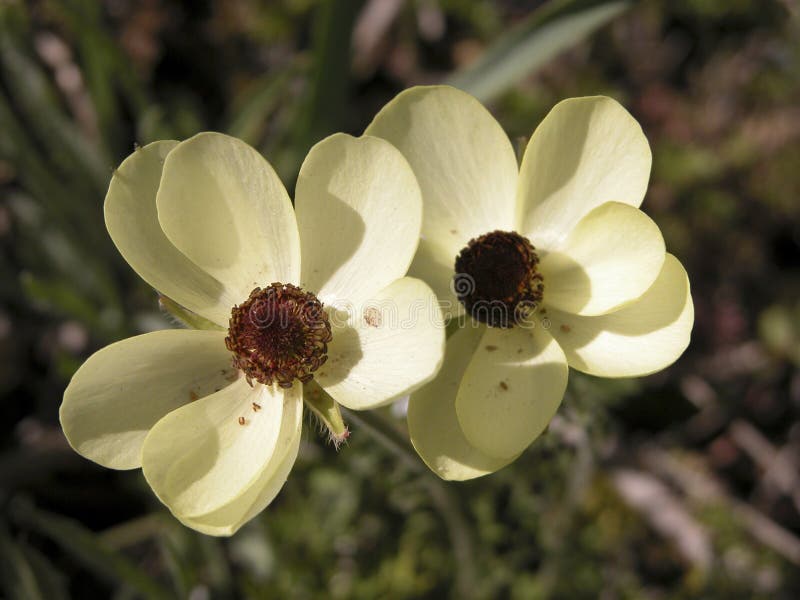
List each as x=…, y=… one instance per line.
x=344, y=353
x=564, y=277
x=329, y=238
x=216, y=225
x=432, y=421
x=511, y=389
x=640, y=338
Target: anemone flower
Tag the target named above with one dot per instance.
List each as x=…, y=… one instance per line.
x=552, y=263
x=213, y=414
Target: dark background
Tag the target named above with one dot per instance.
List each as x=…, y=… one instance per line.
x=681, y=485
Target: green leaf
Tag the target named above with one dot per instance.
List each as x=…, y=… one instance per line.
x=60, y=296
x=534, y=42
x=253, y=106
x=87, y=548
x=111, y=79
x=53, y=583
x=37, y=100
x=18, y=579
x=324, y=108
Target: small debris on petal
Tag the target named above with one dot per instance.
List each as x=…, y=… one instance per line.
x=256, y=407
x=242, y=421
x=491, y=348
x=372, y=316
x=503, y=385
x=566, y=328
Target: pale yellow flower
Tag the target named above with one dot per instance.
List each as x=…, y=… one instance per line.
x=206, y=221
x=587, y=269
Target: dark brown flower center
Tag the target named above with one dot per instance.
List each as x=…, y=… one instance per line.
x=279, y=334
x=496, y=278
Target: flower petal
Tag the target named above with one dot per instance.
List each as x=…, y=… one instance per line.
x=224, y=207
x=203, y=456
x=432, y=421
x=511, y=389
x=387, y=347
x=640, y=338
x=611, y=257
x=586, y=152
x=229, y=518
x=435, y=265
x=462, y=158
x=359, y=212
x=121, y=391
x=132, y=221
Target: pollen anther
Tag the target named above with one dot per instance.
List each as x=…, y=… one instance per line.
x=497, y=279
x=278, y=335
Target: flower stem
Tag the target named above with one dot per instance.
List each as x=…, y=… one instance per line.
x=442, y=497
x=387, y=435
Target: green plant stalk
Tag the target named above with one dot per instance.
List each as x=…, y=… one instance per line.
x=549, y=30
x=441, y=494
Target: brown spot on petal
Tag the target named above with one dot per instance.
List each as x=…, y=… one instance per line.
x=491, y=348
x=372, y=316
x=503, y=386
x=242, y=421
x=565, y=328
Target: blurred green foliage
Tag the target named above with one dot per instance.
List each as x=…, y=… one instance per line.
x=715, y=86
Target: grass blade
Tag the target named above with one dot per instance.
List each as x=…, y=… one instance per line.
x=547, y=32
x=87, y=548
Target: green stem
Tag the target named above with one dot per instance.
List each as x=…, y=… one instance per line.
x=388, y=436
x=444, y=500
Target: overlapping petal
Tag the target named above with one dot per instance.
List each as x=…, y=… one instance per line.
x=203, y=456
x=223, y=206
x=511, y=389
x=387, y=347
x=586, y=152
x=359, y=212
x=640, y=338
x=227, y=519
x=132, y=221
x=611, y=257
x=124, y=389
x=462, y=158
x=435, y=265
x=432, y=421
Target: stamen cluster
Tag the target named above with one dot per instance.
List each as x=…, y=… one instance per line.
x=279, y=334
x=497, y=280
